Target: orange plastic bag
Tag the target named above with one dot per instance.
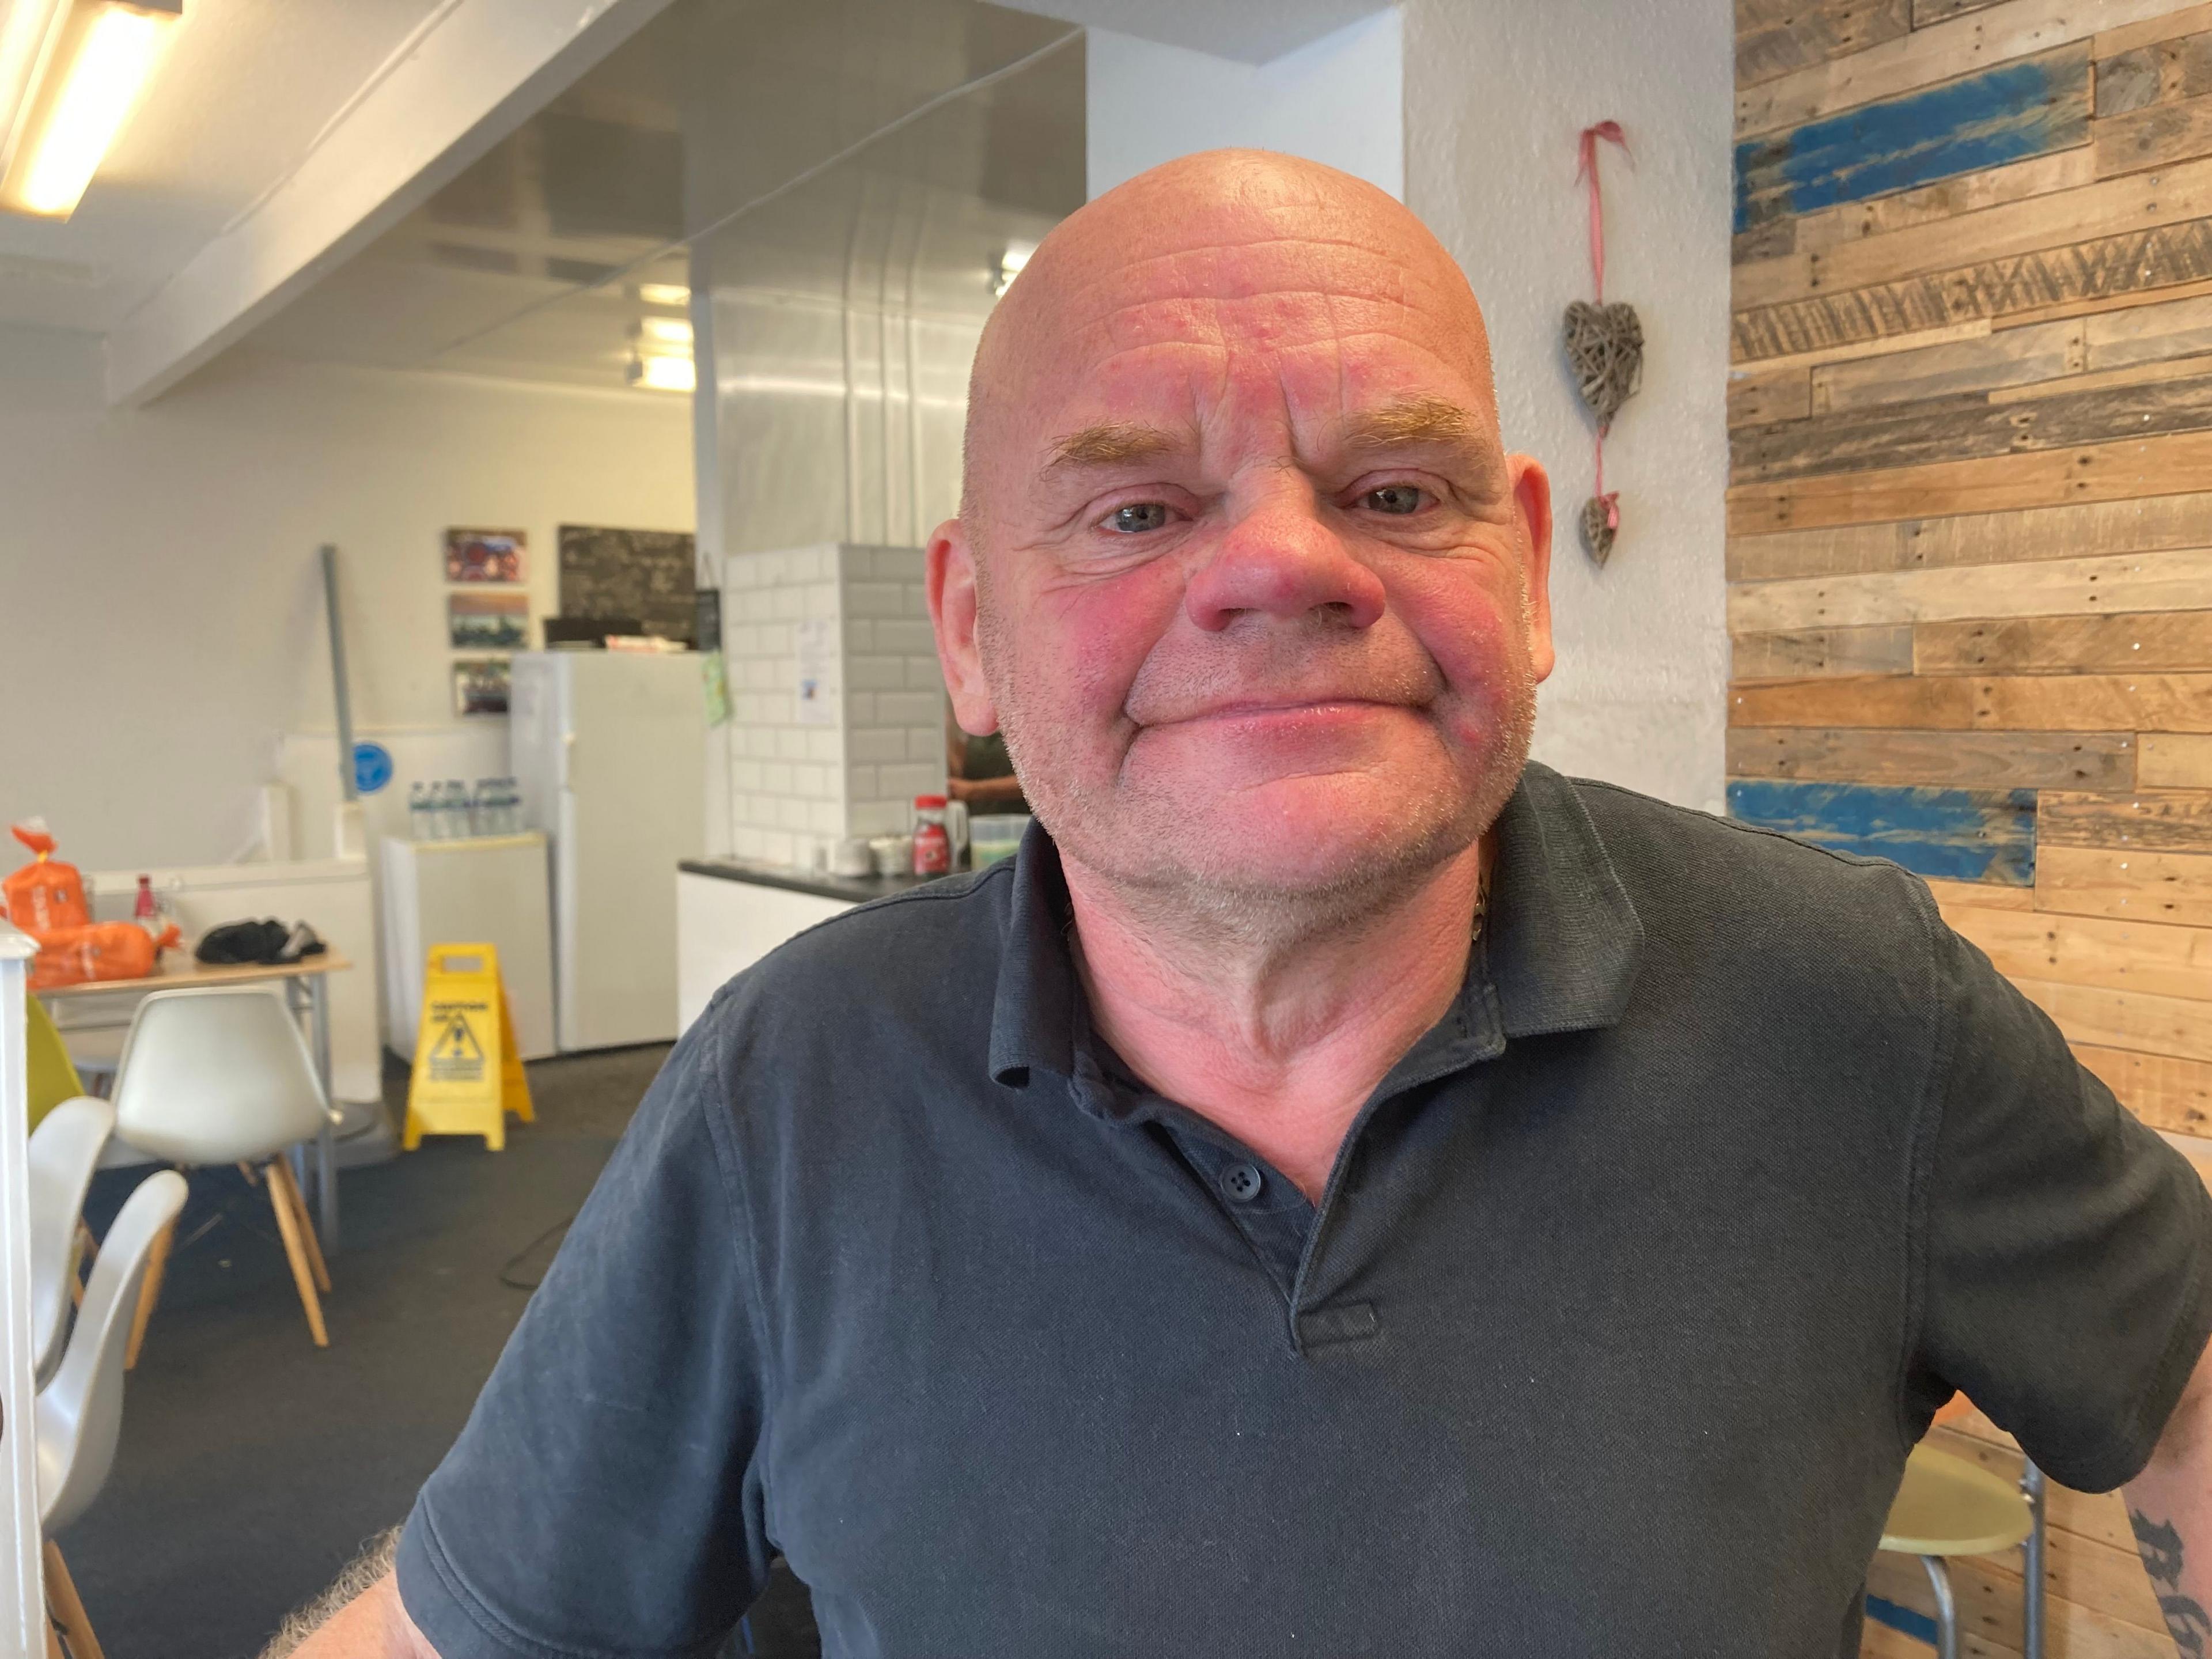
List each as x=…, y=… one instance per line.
x=46, y=894
x=99, y=950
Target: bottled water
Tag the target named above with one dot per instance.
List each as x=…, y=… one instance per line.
x=458, y=825
x=422, y=815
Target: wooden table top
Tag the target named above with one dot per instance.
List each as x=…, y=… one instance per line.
x=198, y=974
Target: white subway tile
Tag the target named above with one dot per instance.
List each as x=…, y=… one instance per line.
x=915, y=639
x=915, y=778
x=860, y=782
x=820, y=599
x=877, y=818
x=871, y=745
x=825, y=743
x=776, y=778
x=790, y=744
x=744, y=775
x=859, y=709
x=859, y=635
x=924, y=673
x=827, y=817
x=909, y=707
x=873, y=673
x=875, y=599
x=776, y=848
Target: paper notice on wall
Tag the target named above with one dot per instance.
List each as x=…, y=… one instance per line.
x=817, y=673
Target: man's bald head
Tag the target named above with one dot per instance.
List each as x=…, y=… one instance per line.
x=1150, y=257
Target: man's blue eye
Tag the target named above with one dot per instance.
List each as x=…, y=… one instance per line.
x=1395, y=498
x=1139, y=517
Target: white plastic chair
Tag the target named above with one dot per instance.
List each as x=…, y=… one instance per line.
x=222, y=1076
x=65, y=1149
x=79, y=1412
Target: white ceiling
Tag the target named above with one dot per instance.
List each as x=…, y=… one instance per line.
x=246, y=88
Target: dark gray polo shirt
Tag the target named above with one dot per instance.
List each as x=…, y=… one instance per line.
x=1632, y=1285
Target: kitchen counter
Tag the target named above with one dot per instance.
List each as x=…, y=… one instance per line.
x=850, y=890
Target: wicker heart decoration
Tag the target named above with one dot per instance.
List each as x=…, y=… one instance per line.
x=1605, y=348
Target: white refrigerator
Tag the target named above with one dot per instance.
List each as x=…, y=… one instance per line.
x=610, y=754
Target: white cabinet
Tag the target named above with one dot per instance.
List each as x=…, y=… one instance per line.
x=724, y=925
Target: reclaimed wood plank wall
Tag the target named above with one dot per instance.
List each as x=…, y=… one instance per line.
x=1969, y=547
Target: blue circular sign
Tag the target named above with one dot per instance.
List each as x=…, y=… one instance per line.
x=372, y=766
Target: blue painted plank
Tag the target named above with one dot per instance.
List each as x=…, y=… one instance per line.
x=2005, y=114
x=1918, y=1624
x=1953, y=835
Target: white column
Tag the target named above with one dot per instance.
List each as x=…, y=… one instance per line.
x=22, y=1608
x=1339, y=100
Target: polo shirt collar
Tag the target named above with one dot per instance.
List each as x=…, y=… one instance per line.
x=1559, y=952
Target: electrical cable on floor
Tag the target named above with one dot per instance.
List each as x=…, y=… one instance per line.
x=506, y=1275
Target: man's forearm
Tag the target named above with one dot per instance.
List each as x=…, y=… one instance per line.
x=2170, y=1507
x=359, y=1617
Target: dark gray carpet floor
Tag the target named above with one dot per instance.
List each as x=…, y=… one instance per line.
x=253, y=1465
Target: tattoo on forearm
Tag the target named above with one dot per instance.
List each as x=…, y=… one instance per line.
x=2159, y=1544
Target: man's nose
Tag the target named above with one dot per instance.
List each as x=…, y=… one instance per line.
x=1279, y=557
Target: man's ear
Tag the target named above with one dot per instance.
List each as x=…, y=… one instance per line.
x=1532, y=501
x=952, y=600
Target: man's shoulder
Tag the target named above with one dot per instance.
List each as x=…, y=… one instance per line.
x=1670, y=858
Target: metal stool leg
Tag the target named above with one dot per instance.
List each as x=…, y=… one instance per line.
x=2032, y=1483
x=1946, y=1607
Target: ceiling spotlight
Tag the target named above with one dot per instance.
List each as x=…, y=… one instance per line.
x=663, y=331
x=1010, y=265
x=663, y=293
x=71, y=74
x=661, y=373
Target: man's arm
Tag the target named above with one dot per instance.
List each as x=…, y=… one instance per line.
x=359, y=1617
x=2170, y=1507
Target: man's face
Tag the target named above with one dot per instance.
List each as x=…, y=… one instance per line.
x=1257, y=599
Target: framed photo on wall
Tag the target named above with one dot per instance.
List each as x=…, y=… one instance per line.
x=480, y=685
x=487, y=555
x=494, y=621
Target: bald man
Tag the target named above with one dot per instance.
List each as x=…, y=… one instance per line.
x=1343, y=1187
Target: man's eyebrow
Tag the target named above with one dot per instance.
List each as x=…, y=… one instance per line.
x=1112, y=442
x=1414, y=420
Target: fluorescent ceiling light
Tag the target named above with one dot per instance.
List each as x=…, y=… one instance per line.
x=1010, y=265
x=94, y=63
x=660, y=373
x=665, y=331
x=663, y=293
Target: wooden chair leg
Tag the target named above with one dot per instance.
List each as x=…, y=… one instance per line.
x=246, y=1169
x=53, y=1642
x=87, y=1252
x=313, y=1245
x=69, y=1611
x=288, y=1223
x=149, y=1292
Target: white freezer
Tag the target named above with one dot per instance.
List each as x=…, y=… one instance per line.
x=609, y=750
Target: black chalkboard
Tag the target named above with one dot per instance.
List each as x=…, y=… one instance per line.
x=646, y=574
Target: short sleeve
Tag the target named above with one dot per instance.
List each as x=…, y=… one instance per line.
x=603, y=1499
x=2066, y=1285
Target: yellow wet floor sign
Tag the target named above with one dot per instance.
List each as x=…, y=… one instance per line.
x=468, y=1073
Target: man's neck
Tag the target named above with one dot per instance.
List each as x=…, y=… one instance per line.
x=1277, y=1039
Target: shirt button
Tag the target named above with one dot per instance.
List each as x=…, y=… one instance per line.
x=1241, y=1181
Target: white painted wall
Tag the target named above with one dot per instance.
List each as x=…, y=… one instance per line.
x=158, y=583
x=1495, y=96
x=1336, y=100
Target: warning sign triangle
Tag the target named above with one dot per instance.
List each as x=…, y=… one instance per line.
x=458, y=1087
